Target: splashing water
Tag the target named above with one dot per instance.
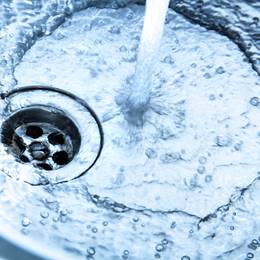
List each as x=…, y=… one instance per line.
x=138, y=100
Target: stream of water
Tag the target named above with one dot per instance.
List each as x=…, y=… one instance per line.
x=137, y=103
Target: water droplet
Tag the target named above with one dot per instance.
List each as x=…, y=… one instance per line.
x=220, y=70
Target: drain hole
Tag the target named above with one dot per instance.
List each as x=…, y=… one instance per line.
x=44, y=166
x=25, y=159
x=34, y=131
x=56, y=138
x=60, y=158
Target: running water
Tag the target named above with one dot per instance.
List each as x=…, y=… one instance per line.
x=138, y=100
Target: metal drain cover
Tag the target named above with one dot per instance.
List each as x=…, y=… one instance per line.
x=51, y=135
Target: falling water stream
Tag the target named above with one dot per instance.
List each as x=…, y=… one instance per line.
x=186, y=185
x=140, y=91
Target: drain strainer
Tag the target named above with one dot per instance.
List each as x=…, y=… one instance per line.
x=52, y=135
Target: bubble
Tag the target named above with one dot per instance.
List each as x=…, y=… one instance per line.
x=130, y=15
x=207, y=76
x=202, y=160
x=126, y=252
x=250, y=255
x=165, y=241
x=135, y=219
x=44, y=214
x=157, y=255
x=159, y=247
x=26, y=222
x=185, y=257
x=212, y=97
x=201, y=169
x=255, y=242
x=94, y=230
x=55, y=219
x=91, y=251
x=105, y=223
x=208, y=178
x=254, y=101
x=220, y=70
x=168, y=59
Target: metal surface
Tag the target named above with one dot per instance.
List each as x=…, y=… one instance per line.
x=51, y=130
x=14, y=246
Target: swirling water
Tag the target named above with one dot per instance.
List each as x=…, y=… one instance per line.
x=187, y=185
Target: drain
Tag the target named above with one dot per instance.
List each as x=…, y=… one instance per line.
x=54, y=133
x=41, y=133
